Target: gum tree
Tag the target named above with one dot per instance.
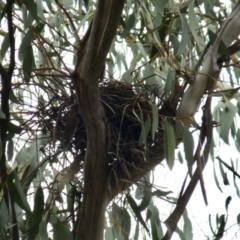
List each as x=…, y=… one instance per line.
x=95, y=95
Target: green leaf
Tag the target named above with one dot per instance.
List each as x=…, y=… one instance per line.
x=125, y=221
x=147, y=197
x=180, y=158
x=121, y=222
x=160, y=193
x=234, y=180
x=156, y=229
x=32, y=7
x=228, y=200
x=149, y=76
x=224, y=174
x=28, y=63
x=223, y=49
x=187, y=229
x=129, y=25
x=10, y=150
x=180, y=233
x=154, y=119
x=18, y=194
x=43, y=235
x=144, y=132
x=136, y=235
x=169, y=143
x=193, y=25
x=4, y=215
x=13, y=98
x=109, y=234
x=136, y=211
x=14, y=128
x=238, y=219
x=216, y=179
x=68, y=4
x=184, y=35
x=188, y=144
x=4, y=46
x=36, y=217
x=61, y=232
x=26, y=42
x=2, y=114
x=170, y=83
x=159, y=5
x=226, y=120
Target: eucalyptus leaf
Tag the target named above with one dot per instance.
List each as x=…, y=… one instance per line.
x=144, y=132
x=61, y=231
x=43, y=235
x=136, y=211
x=26, y=42
x=188, y=144
x=156, y=228
x=226, y=120
x=28, y=64
x=10, y=150
x=147, y=197
x=188, y=230
x=185, y=35
x=2, y=114
x=129, y=25
x=169, y=143
x=32, y=7
x=154, y=119
x=4, y=46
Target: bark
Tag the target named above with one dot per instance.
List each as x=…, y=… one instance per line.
x=91, y=58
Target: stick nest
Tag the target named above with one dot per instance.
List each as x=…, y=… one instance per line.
x=127, y=108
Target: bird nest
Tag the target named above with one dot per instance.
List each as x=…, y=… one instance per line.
x=127, y=107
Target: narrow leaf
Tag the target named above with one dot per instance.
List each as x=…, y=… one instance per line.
x=10, y=150
x=156, y=228
x=216, y=179
x=28, y=63
x=154, y=119
x=136, y=211
x=188, y=144
x=18, y=195
x=4, y=46
x=2, y=114
x=238, y=219
x=170, y=83
x=26, y=41
x=147, y=197
x=144, y=132
x=43, y=235
x=129, y=25
x=226, y=120
x=136, y=235
x=185, y=36
x=224, y=174
x=188, y=231
x=32, y=7
x=228, y=200
x=61, y=232
x=169, y=143
x=109, y=233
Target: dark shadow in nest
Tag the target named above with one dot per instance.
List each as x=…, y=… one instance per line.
x=127, y=107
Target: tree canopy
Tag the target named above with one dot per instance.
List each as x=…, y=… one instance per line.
x=96, y=95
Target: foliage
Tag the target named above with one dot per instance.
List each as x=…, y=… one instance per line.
x=141, y=73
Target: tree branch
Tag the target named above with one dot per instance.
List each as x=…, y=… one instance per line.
x=207, y=78
x=183, y=200
x=91, y=60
